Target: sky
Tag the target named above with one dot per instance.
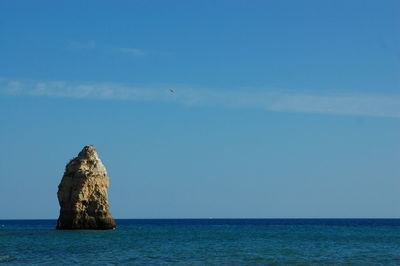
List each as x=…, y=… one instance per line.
x=198, y=109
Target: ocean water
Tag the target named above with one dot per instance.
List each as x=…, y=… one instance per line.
x=205, y=241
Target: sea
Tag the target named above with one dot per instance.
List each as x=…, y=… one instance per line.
x=205, y=242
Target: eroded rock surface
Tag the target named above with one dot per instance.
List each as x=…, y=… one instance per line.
x=82, y=193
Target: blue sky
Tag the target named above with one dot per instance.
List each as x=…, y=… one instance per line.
x=280, y=108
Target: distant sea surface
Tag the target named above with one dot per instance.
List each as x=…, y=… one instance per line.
x=205, y=241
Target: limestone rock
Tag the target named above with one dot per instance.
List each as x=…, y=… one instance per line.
x=82, y=193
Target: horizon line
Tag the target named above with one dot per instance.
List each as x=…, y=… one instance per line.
x=292, y=218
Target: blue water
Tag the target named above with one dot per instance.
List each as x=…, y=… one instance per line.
x=205, y=241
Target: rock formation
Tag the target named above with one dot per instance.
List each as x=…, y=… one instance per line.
x=82, y=193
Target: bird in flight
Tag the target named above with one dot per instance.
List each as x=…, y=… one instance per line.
x=171, y=91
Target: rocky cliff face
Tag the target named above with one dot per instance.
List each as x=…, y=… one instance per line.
x=82, y=193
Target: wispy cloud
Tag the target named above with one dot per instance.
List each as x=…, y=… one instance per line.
x=93, y=45
x=133, y=51
x=270, y=100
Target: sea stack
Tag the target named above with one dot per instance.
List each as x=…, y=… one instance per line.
x=82, y=193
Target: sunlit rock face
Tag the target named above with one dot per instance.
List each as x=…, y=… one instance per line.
x=82, y=193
